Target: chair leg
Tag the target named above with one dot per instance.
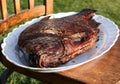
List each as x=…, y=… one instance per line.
x=5, y=75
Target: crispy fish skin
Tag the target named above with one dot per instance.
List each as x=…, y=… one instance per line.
x=52, y=42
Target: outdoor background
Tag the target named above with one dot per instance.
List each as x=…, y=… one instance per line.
x=107, y=8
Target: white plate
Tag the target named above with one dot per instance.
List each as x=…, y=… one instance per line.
x=108, y=35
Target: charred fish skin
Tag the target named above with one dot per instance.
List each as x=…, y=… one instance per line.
x=52, y=42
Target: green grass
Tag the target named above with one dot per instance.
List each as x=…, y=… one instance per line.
x=107, y=8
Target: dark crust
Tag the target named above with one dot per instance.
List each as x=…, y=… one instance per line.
x=52, y=42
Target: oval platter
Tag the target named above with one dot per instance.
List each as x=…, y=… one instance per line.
x=106, y=40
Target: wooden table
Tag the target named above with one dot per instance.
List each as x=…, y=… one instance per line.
x=104, y=70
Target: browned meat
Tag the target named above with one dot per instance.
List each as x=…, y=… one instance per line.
x=51, y=42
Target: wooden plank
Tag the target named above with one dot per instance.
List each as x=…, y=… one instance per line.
x=30, y=4
x=27, y=14
x=103, y=70
x=48, y=6
x=17, y=6
x=3, y=9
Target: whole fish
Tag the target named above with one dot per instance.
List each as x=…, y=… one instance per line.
x=52, y=42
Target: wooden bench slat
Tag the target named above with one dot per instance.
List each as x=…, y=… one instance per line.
x=49, y=6
x=3, y=9
x=26, y=14
x=17, y=6
x=30, y=4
